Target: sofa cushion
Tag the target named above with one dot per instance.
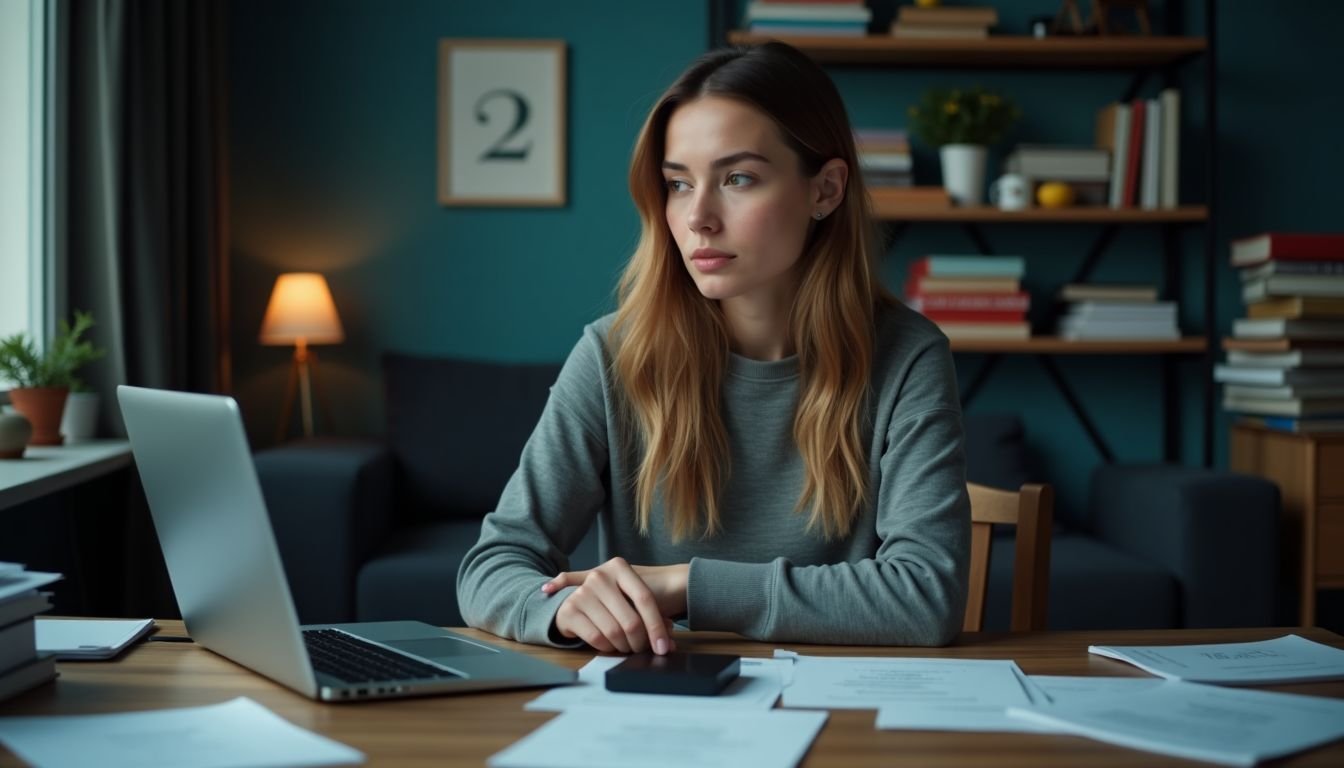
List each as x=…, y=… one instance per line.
x=457, y=428
x=1092, y=586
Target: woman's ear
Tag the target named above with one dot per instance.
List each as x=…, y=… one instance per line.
x=828, y=186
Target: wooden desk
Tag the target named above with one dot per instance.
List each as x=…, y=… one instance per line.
x=464, y=730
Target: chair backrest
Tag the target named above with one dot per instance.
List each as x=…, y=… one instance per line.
x=1031, y=509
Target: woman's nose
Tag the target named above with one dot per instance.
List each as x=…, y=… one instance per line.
x=703, y=215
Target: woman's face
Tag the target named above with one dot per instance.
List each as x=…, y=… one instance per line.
x=738, y=204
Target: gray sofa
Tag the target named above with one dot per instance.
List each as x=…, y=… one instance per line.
x=374, y=530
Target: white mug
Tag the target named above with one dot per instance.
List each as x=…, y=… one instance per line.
x=1011, y=192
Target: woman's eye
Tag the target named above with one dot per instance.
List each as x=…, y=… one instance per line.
x=738, y=179
x=676, y=185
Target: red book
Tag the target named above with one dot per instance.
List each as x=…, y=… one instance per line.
x=1136, y=126
x=1281, y=246
x=973, y=316
x=971, y=302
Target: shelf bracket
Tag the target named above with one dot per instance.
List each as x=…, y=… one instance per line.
x=1076, y=406
x=978, y=238
x=978, y=380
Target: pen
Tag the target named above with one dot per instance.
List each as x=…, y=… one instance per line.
x=171, y=639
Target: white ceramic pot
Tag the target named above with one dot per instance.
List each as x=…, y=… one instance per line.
x=964, y=172
x=80, y=420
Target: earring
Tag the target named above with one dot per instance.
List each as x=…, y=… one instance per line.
x=818, y=215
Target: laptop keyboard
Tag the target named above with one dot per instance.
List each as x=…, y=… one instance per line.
x=353, y=660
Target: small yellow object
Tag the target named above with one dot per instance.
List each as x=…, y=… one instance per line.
x=928, y=3
x=1054, y=194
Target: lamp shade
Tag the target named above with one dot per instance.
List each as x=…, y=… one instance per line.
x=301, y=309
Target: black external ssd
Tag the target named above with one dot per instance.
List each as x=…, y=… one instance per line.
x=688, y=674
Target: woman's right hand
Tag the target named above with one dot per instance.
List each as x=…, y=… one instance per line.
x=612, y=609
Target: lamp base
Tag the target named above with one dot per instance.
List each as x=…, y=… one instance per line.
x=302, y=373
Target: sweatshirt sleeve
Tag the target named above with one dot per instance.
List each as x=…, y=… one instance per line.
x=913, y=590
x=546, y=508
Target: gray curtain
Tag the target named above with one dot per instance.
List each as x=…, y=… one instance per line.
x=138, y=161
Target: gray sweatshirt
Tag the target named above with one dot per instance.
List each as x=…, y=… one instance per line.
x=899, y=578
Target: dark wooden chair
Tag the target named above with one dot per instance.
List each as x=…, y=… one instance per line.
x=1031, y=509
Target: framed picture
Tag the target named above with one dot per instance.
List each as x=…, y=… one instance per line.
x=502, y=122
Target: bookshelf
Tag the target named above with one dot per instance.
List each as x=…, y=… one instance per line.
x=1006, y=52
x=1141, y=56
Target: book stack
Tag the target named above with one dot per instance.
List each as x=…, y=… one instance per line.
x=1285, y=360
x=963, y=22
x=1086, y=169
x=884, y=156
x=838, y=18
x=1099, y=312
x=20, y=666
x=971, y=297
x=1144, y=138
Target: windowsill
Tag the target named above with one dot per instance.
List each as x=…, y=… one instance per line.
x=47, y=469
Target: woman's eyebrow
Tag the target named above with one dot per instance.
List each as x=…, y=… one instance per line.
x=732, y=159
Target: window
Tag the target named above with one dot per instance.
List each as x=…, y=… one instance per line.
x=22, y=226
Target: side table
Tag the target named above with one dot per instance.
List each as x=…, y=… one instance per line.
x=1309, y=470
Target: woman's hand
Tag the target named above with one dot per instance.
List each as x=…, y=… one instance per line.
x=622, y=608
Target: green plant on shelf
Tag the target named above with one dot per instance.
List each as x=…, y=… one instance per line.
x=25, y=367
x=962, y=116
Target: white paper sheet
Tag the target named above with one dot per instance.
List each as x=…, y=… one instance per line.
x=1201, y=722
x=1287, y=659
x=869, y=683
x=235, y=734
x=918, y=694
x=88, y=639
x=640, y=737
x=757, y=688
x=1067, y=689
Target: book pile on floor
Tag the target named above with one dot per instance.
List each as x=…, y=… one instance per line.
x=960, y=22
x=1098, y=312
x=1086, y=170
x=1143, y=138
x=971, y=297
x=1285, y=360
x=884, y=156
x=844, y=18
x=20, y=666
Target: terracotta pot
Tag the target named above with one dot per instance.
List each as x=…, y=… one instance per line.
x=43, y=406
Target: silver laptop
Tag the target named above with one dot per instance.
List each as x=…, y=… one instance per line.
x=225, y=568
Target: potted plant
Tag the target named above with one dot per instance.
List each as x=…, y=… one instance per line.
x=42, y=380
x=962, y=123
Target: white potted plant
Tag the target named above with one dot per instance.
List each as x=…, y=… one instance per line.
x=43, y=380
x=962, y=123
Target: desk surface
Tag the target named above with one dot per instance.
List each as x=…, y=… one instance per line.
x=46, y=469
x=466, y=729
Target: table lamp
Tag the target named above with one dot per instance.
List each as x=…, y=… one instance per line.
x=301, y=313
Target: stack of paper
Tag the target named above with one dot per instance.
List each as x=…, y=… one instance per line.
x=1200, y=722
x=80, y=639
x=1288, y=659
x=21, y=667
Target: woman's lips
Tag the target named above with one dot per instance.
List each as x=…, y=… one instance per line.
x=709, y=259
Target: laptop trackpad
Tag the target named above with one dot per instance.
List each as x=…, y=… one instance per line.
x=439, y=647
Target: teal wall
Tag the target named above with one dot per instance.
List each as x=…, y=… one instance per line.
x=332, y=168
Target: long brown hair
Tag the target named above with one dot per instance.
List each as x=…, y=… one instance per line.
x=671, y=345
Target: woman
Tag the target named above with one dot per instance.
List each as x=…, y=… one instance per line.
x=770, y=443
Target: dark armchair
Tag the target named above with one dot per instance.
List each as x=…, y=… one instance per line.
x=376, y=530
